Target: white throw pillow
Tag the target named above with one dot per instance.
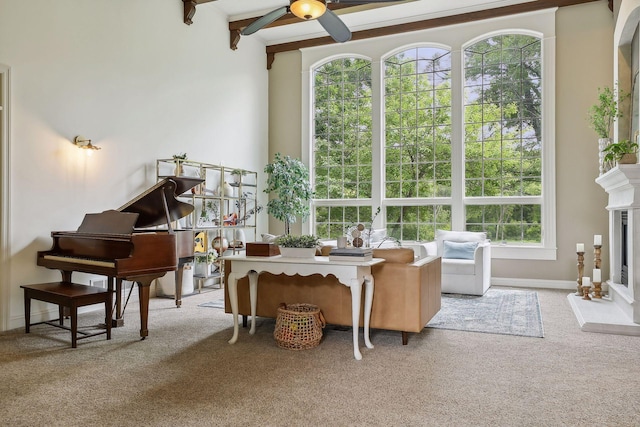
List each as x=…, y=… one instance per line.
x=458, y=236
x=459, y=250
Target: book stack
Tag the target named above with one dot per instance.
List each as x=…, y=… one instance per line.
x=351, y=254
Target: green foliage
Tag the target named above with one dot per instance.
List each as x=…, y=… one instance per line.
x=180, y=156
x=303, y=241
x=288, y=179
x=615, y=150
x=502, y=137
x=603, y=114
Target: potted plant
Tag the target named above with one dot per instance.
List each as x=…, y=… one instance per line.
x=297, y=246
x=237, y=175
x=204, y=263
x=602, y=116
x=288, y=179
x=179, y=158
x=622, y=152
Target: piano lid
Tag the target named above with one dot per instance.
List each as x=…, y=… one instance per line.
x=150, y=205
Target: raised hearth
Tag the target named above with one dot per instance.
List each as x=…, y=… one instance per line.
x=620, y=312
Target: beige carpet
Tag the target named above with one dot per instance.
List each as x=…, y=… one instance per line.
x=185, y=373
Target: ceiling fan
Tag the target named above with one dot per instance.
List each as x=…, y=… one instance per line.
x=309, y=10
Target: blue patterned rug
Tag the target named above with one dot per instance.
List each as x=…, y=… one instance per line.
x=498, y=311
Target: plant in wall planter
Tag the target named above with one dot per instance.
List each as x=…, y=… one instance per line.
x=288, y=180
x=622, y=152
x=602, y=116
x=303, y=246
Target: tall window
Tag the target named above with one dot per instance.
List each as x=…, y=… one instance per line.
x=342, y=144
x=503, y=138
x=417, y=151
x=459, y=142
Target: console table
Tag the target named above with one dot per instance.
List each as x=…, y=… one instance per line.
x=349, y=273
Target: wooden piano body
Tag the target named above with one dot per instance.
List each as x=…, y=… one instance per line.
x=110, y=244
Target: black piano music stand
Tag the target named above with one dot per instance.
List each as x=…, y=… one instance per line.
x=71, y=295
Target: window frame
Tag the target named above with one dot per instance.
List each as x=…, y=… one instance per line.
x=540, y=24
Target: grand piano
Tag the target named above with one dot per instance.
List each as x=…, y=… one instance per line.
x=119, y=244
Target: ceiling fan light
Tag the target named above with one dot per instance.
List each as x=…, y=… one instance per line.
x=308, y=9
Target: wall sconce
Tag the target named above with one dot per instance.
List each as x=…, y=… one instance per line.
x=84, y=143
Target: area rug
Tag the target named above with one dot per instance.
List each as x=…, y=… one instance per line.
x=213, y=304
x=498, y=311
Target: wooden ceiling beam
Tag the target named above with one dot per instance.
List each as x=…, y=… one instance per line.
x=190, y=9
x=426, y=24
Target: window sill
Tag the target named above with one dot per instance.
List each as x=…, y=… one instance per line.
x=523, y=252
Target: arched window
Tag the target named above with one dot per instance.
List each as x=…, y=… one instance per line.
x=503, y=137
x=342, y=163
x=417, y=149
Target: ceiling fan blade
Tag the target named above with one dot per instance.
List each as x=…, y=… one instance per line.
x=264, y=20
x=334, y=26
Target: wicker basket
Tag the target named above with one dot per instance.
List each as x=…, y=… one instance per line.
x=298, y=326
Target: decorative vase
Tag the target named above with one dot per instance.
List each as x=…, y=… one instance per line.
x=178, y=171
x=602, y=144
x=228, y=189
x=297, y=252
x=239, y=238
x=220, y=244
x=628, y=159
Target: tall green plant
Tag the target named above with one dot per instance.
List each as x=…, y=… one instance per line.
x=603, y=114
x=288, y=179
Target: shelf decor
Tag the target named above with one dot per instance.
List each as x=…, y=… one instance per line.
x=225, y=208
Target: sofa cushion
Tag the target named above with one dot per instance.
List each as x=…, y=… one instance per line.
x=459, y=250
x=458, y=266
x=458, y=236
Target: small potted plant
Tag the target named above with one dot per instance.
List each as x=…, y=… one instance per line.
x=602, y=116
x=303, y=246
x=622, y=152
x=237, y=175
x=179, y=158
x=204, y=263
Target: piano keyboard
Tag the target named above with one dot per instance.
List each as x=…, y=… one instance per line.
x=85, y=261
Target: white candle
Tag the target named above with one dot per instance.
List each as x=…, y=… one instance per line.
x=579, y=247
x=586, y=282
x=597, y=275
x=597, y=240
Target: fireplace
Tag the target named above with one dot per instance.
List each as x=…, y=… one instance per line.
x=619, y=312
x=623, y=242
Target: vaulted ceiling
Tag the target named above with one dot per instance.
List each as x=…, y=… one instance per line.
x=365, y=21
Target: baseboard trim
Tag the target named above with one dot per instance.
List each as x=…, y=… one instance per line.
x=533, y=283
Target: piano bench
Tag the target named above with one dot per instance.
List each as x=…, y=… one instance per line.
x=71, y=296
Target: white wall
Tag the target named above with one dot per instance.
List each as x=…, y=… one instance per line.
x=137, y=81
x=584, y=62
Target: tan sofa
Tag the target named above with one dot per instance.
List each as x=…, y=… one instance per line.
x=406, y=295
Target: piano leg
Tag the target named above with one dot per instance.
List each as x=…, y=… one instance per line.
x=178, y=276
x=143, y=294
x=118, y=321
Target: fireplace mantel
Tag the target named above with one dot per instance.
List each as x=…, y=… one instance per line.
x=622, y=183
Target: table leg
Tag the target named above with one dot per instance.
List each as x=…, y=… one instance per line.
x=233, y=300
x=356, y=292
x=368, y=303
x=253, y=298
